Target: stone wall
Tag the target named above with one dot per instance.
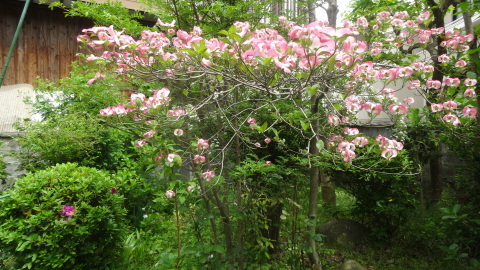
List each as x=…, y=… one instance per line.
x=9, y=146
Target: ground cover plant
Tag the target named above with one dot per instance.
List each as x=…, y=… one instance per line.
x=233, y=132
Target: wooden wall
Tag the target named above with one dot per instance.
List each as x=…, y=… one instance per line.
x=46, y=46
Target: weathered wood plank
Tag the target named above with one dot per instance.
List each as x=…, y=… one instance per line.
x=46, y=46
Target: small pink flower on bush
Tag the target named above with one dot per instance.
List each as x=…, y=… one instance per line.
x=190, y=189
x=451, y=118
x=397, y=109
x=450, y=105
x=470, y=92
x=348, y=155
x=350, y=131
x=408, y=101
x=433, y=84
x=68, y=210
x=170, y=158
x=267, y=140
x=170, y=194
x=257, y=144
x=469, y=112
x=389, y=153
x=202, y=144
x=436, y=107
x=460, y=64
x=451, y=81
x=268, y=162
x=470, y=82
x=113, y=190
x=141, y=143
x=199, y=159
x=178, y=132
x=208, y=175
x=149, y=134
x=360, y=141
x=333, y=120
x=97, y=76
x=178, y=112
x=251, y=121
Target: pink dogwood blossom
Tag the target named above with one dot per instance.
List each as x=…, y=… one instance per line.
x=170, y=194
x=470, y=82
x=408, y=101
x=469, y=112
x=397, y=109
x=389, y=153
x=450, y=105
x=199, y=159
x=202, y=144
x=333, y=120
x=141, y=143
x=348, y=155
x=178, y=132
x=436, y=107
x=149, y=134
x=451, y=118
x=469, y=92
x=350, y=131
x=208, y=175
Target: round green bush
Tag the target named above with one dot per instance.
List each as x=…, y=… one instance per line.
x=64, y=217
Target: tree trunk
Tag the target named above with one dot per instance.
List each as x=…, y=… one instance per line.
x=238, y=196
x=435, y=162
x=272, y=232
x=436, y=178
x=332, y=12
x=311, y=11
x=313, y=196
x=329, y=198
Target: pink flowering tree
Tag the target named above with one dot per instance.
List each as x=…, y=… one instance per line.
x=327, y=76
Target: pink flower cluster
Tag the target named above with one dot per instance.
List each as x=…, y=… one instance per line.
x=68, y=210
x=160, y=97
x=304, y=48
x=347, y=148
x=390, y=147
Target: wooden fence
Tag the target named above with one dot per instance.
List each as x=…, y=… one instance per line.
x=46, y=46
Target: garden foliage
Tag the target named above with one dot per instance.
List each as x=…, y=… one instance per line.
x=228, y=129
x=64, y=217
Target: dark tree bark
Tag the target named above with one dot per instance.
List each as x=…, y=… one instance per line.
x=314, y=184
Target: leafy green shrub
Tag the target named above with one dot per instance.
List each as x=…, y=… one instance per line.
x=73, y=139
x=385, y=192
x=67, y=217
x=3, y=166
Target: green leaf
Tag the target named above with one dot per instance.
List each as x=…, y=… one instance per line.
x=22, y=246
x=181, y=199
x=218, y=249
x=223, y=32
x=312, y=90
x=306, y=125
x=263, y=127
x=320, y=145
x=473, y=51
x=471, y=75
x=456, y=208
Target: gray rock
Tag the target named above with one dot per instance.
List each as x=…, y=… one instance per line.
x=352, y=265
x=343, y=233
